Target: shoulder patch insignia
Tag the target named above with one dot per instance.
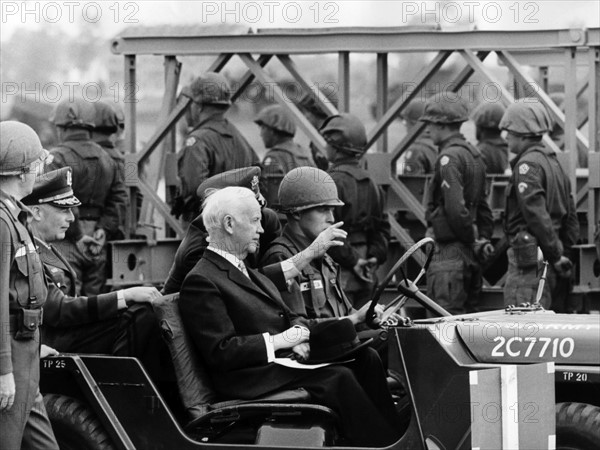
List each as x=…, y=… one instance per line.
x=190, y=141
x=522, y=187
x=268, y=161
x=523, y=169
x=444, y=161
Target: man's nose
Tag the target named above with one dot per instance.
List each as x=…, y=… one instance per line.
x=70, y=216
x=330, y=217
x=260, y=230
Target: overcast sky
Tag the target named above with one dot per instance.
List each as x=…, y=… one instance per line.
x=110, y=16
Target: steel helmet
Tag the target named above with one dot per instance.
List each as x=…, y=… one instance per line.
x=488, y=115
x=446, y=108
x=307, y=187
x=76, y=113
x=107, y=119
x=19, y=147
x=413, y=111
x=210, y=88
x=275, y=117
x=351, y=136
x=526, y=117
x=308, y=103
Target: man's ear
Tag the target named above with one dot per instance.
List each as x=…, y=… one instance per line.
x=37, y=213
x=228, y=224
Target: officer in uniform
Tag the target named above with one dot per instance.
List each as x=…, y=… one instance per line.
x=119, y=323
x=494, y=149
x=419, y=158
x=97, y=184
x=540, y=211
x=316, y=116
x=277, y=132
x=23, y=419
x=213, y=146
x=308, y=196
x=108, y=125
x=362, y=212
x=458, y=214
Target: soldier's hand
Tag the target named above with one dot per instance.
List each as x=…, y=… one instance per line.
x=563, y=267
x=46, y=351
x=7, y=391
x=333, y=236
x=141, y=294
x=85, y=243
x=100, y=237
x=361, y=270
x=360, y=316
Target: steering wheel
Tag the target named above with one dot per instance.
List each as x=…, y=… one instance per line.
x=403, y=286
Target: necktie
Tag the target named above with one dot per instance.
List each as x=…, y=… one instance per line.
x=242, y=267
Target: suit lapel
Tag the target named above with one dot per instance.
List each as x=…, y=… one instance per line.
x=236, y=276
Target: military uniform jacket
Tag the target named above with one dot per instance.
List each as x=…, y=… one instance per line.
x=495, y=154
x=213, y=147
x=63, y=309
x=96, y=182
x=226, y=314
x=362, y=213
x=316, y=293
x=539, y=200
x=119, y=159
x=22, y=283
x=457, y=195
x=420, y=157
x=194, y=243
x=288, y=155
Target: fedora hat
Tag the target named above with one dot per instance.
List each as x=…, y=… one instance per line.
x=333, y=340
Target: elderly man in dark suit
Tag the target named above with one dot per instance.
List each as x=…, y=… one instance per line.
x=238, y=323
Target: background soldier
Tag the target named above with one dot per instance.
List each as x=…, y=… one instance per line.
x=277, y=132
x=316, y=116
x=23, y=419
x=457, y=209
x=119, y=323
x=419, y=157
x=97, y=184
x=362, y=212
x=107, y=127
x=213, y=146
x=493, y=148
x=540, y=211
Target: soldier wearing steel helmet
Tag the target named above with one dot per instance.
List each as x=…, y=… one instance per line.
x=316, y=116
x=494, y=149
x=419, y=158
x=540, y=211
x=308, y=197
x=458, y=214
x=23, y=419
x=362, y=212
x=108, y=124
x=277, y=131
x=213, y=146
x=97, y=184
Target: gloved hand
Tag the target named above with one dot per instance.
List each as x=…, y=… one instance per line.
x=563, y=267
x=100, y=237
x=85, y=245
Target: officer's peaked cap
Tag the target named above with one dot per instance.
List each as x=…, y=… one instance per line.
x=247, y=177
x=54, y=188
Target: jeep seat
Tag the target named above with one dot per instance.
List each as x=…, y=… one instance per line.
x=195, y=387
